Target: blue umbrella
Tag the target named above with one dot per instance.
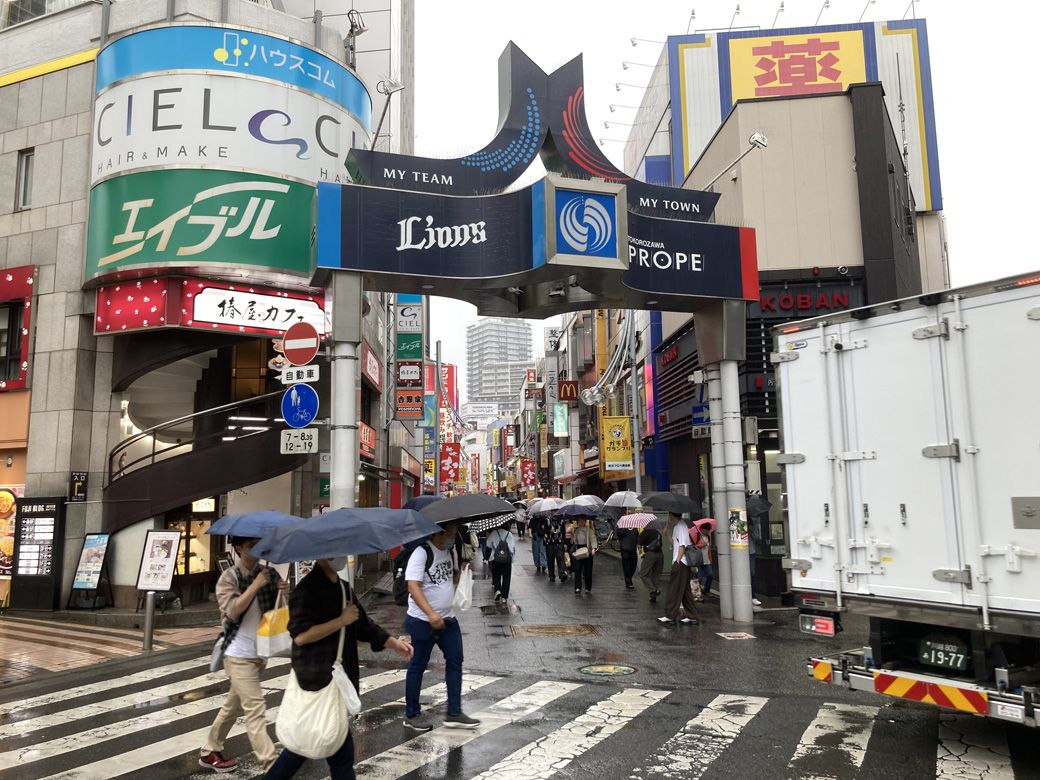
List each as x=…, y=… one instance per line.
x=251, y=524
x=343, y=532
x=419, y=502
x=576, y=510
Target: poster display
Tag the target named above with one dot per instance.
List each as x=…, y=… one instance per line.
x=8, y=520
x=616, y=444
x=35, y=540
x=159, y=560
x=91, y=561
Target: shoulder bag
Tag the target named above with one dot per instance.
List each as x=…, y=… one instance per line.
x=314, y=724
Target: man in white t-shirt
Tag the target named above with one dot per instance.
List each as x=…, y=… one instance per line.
x=679, y=594
x=432, y=574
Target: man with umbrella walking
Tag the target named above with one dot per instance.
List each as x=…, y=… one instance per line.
x=316, y=619
x=502, y=547
x=555, y=540
x=432, y=575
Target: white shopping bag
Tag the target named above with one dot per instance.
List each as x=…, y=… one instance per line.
x=464, y=592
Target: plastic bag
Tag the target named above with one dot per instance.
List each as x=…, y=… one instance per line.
x=272, y=637
x=346, y=687
x=463, y=599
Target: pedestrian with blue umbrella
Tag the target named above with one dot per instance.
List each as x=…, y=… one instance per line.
x=244, y=592
x=325, y=620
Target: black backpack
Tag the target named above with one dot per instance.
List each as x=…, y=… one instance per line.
x=501, y=553
x=400, y=565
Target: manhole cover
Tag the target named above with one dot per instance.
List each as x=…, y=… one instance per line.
x=607, y=670
x=566, y=629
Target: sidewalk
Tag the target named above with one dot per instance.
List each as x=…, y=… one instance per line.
x=29, y=646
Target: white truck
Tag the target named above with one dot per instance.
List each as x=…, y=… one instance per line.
x=911, y=456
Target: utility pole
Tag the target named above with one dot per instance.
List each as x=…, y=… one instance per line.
x=721, y=343
x=637, y=441
x=346, y=335
x=437, y=424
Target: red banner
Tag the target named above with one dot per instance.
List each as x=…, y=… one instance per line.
x=366, y=441
x=528, y=474
x=451, y=464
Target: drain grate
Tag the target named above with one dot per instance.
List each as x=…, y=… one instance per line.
x=564, y=629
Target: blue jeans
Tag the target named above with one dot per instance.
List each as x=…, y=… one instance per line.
x=341, y=763
x=538, y=551
x=709, y=576
x=423, y=640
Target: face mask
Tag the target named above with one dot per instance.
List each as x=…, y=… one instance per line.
x=338, y=564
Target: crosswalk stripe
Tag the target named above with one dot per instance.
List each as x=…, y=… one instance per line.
x=21, y=728
x=972, y=748
x=67, y=694
x=76, y=644
x=844, y=728
x=421, y=750
x=546, y=756
x=171, y=748
x=696, y=745
x=122, y=641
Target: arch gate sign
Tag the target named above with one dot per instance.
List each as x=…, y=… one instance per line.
x=584, y=236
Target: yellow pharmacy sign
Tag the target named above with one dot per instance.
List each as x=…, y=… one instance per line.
x=785, y=65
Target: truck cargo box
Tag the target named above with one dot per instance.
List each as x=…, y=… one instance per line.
x=911, y=444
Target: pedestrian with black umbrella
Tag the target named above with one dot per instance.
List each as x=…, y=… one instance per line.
x=326, y=623
x=679, y=596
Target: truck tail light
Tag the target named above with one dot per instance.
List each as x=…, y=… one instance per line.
x=817, y=624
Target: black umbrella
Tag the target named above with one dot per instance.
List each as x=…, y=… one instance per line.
x=467, y=508
x=675, y=503
x=419, y=502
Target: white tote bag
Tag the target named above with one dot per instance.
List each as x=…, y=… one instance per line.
x=314, y=724
x=463, y=599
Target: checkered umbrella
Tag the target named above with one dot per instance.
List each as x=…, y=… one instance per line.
x=490, y=523
x=638, y=520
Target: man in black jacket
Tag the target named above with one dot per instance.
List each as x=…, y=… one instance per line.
x=538, y=527
x=316, y=617
x=628, y=540
x=555, y=545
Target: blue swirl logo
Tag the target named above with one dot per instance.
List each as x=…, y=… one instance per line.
x=585, y=225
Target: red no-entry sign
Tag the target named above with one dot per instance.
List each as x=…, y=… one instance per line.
x=300, y=343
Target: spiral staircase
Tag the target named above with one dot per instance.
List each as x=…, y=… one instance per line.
x=193, y=442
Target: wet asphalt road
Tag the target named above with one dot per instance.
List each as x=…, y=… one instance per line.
x=696, y=705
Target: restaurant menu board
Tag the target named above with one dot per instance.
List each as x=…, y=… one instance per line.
x=35, y=542
x=91, y=560
x=159, y=560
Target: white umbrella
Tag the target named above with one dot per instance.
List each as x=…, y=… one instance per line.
x=586, y=500
x=627, y=499
x=543, y=505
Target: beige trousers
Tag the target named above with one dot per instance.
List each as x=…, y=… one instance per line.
x=245, y=697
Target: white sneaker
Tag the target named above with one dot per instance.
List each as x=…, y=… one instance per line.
x=756, y=602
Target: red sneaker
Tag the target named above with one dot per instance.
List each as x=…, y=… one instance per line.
x=217, y=762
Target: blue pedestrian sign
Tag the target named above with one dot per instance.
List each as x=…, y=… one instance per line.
x=299, y=405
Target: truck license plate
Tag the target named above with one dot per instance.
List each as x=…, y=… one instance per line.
x=944, y=653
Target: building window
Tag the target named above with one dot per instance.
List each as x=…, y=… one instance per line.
x=10, y=340
x=23, y=193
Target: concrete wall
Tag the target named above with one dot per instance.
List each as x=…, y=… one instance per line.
x=800, y=193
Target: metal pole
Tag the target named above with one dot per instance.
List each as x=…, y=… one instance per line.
x=343, y=476
x=437, y=424
x=171, y=11
x=149, y=621
x=106, y=16
x=317, y=29
x=718, y=492
x=637, y=441
x=733, y=443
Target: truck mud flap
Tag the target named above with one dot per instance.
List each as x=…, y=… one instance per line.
x=937, y=691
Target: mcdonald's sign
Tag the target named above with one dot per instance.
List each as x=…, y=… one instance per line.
x=567, y=392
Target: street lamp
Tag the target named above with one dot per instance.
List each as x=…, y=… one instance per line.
x=618, y=85
x=386, y=87
x=636, y=41
x=756, y=141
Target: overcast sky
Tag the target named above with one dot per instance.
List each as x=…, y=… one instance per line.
x=982, y=74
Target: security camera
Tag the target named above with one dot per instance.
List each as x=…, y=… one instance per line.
x=843, y=270
x=698, y=377
x=759, y=140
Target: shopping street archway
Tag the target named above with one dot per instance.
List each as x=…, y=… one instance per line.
x=585, y=236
